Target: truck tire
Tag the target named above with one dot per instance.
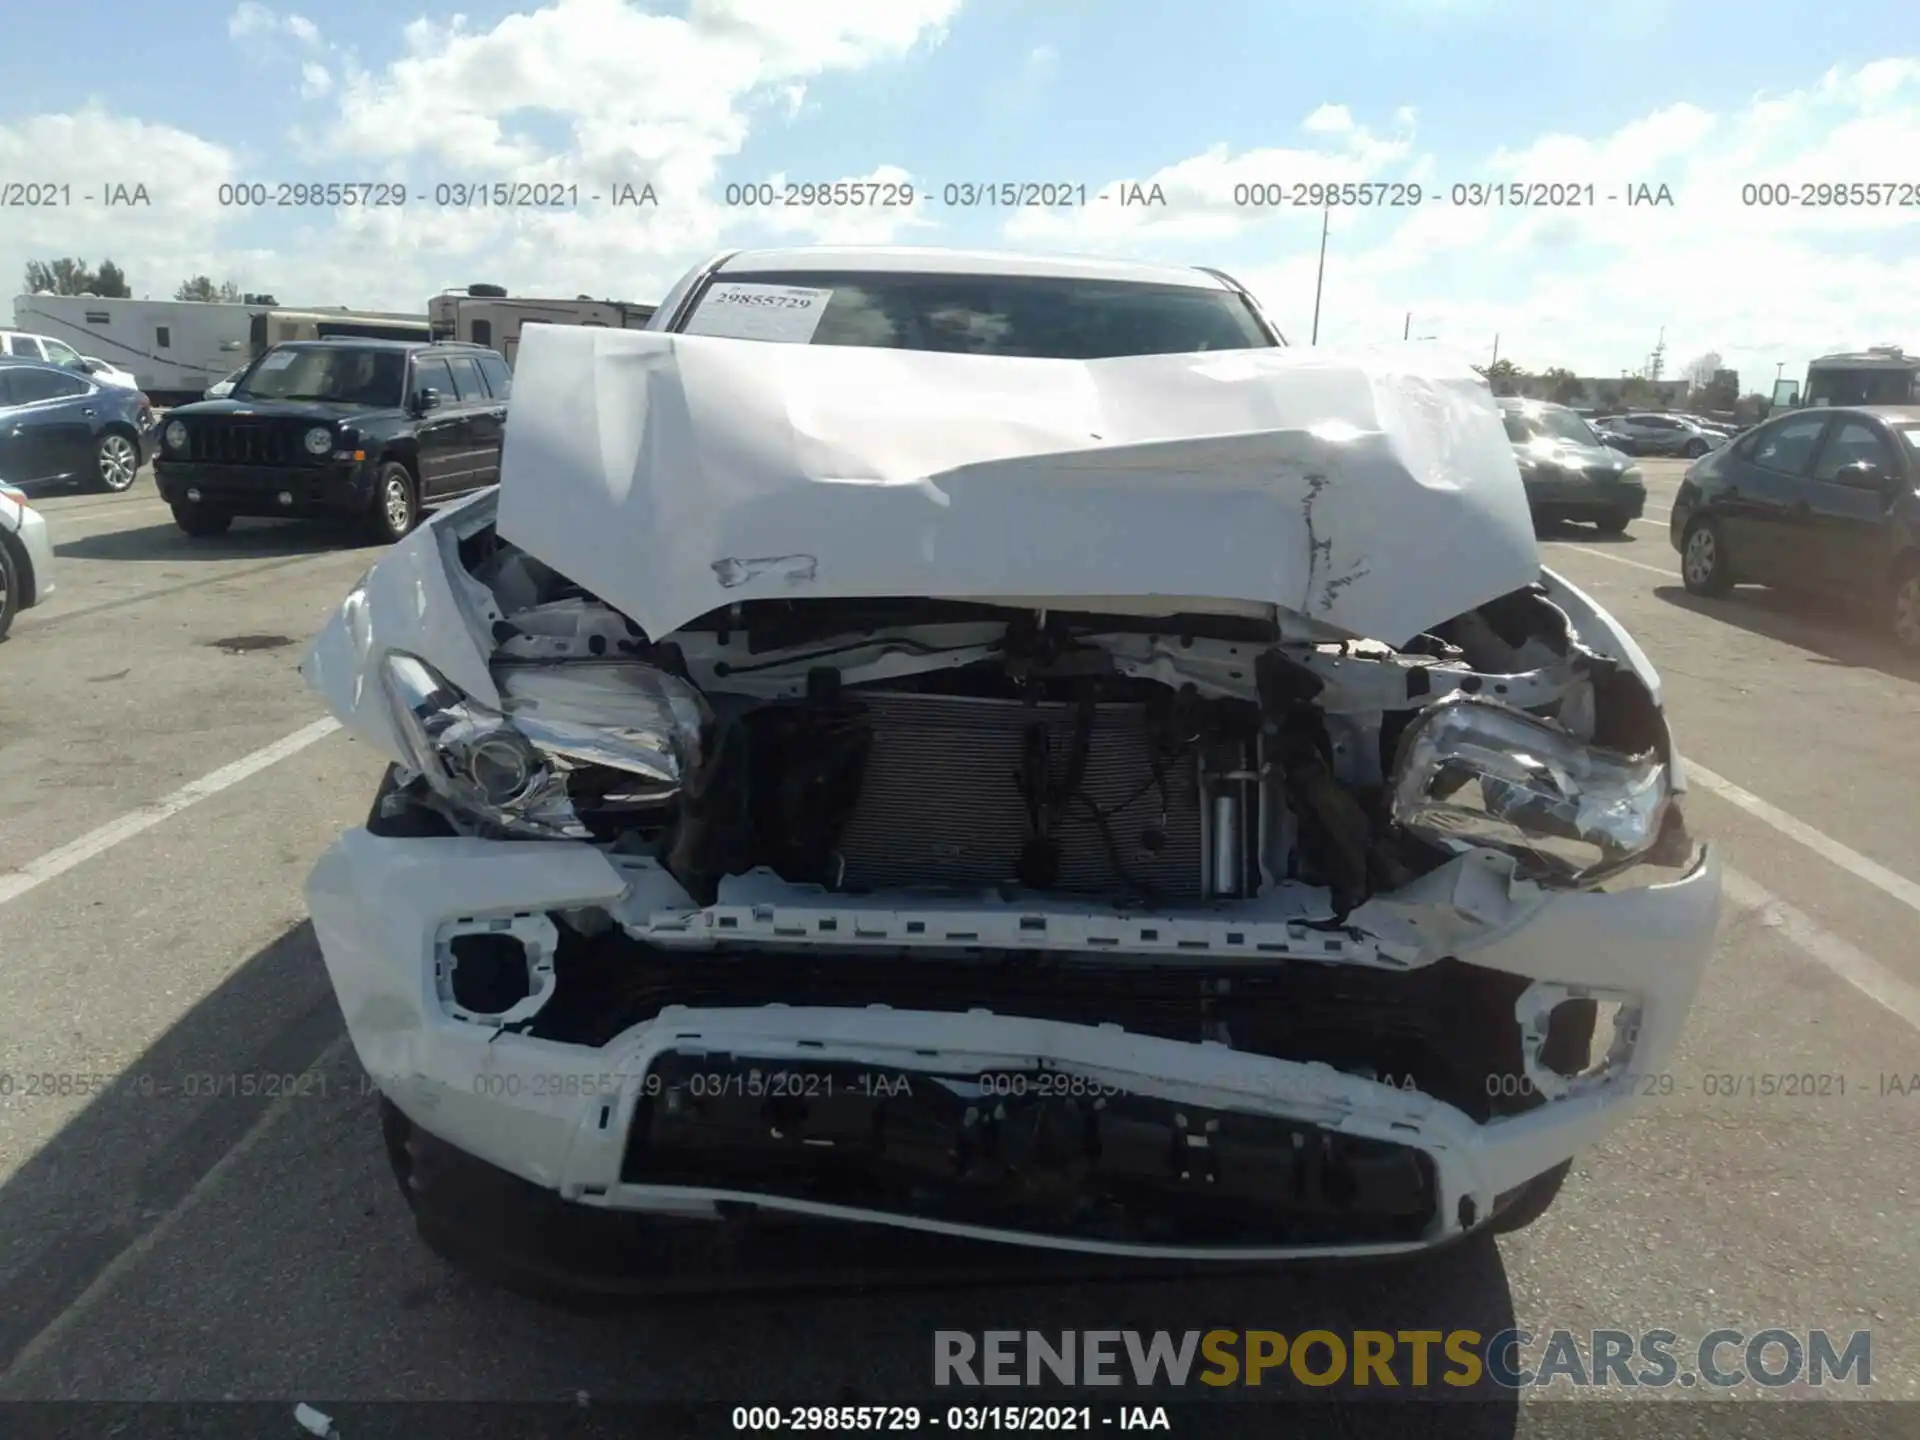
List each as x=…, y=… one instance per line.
x=396, y=504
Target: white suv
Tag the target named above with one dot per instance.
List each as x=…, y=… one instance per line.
x=22, y=346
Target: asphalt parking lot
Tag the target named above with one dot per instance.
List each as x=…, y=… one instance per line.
x=159, y=1244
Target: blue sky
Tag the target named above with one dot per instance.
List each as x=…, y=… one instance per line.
x=1199, y=97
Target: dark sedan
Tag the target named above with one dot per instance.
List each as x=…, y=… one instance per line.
x=61, y=424
x=1569, y=472
x=1824, y=500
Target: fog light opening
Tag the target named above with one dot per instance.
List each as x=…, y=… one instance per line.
x=1583, y=1036
x=490, y=973
x=496, y=972
x=194, y=496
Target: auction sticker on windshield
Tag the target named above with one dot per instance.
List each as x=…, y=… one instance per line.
x=279, y=360
x=737, y=310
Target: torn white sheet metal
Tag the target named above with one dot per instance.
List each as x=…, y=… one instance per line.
x=1372, y=491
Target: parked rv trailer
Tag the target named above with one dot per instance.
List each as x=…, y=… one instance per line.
x=487, y=315
x=271, y=327
x=173, y=348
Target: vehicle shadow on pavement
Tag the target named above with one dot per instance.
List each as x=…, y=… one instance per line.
x=245, y=541
x=150, y=1134
x=1585, y=534
x=227, y=1229
x=1834, y=632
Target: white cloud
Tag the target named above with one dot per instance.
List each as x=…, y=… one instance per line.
x=251, y=19
x=866, y=224
x=535, y=97
x=1587, y=287
x=1328, y=120
x=1215, y=195
x=159, y=242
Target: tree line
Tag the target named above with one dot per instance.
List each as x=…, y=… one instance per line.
x=1710, y=388
x=70, y=275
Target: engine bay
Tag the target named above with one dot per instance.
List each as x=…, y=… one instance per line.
x=1142, y=754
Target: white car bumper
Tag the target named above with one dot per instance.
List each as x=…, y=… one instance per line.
x=558, y=1114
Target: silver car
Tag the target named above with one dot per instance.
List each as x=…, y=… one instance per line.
x=1651, y=434
x=26, y=556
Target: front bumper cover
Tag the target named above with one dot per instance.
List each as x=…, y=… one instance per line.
x=37, y=545
x=572, y=1118
x=1584, y=496
x=337, y=488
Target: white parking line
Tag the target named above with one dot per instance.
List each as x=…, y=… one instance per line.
x=1617, y=559
x=37, y=872
x=1825, y=846
x=1848, y=961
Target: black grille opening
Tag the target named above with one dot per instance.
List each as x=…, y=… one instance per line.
x=1119, y=1167
x=1446, y=1030
x=228, y=442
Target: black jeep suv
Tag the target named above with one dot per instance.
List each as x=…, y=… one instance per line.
x=368, y=429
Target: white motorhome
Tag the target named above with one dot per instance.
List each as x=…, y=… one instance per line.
x=487, y=315
x=173, y=348
x=271, y=327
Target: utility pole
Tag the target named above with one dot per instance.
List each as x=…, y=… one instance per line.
x=1406, y=331
x=1496, y=353
x=1326, y=218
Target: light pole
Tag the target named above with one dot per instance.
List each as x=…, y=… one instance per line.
x=1326, y=218
x=1406, y=331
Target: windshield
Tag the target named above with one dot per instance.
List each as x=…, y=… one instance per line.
x=1549, y=424
x=1880, y=386
x=1039, y=317
x=334, y=373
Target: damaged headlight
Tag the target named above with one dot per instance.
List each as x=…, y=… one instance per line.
x=1474, y=774
x=605, y=735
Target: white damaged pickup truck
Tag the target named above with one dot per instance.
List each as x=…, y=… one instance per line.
x=1139, y=796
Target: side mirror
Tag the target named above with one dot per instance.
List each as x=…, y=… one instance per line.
x=427, y=399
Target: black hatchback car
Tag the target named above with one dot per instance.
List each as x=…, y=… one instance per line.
x=61, y=424
x=1824, y=500
x=369, y=430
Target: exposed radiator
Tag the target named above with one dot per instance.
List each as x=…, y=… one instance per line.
x=942, y=802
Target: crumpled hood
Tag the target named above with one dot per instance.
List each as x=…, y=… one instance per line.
x=1374, y=491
